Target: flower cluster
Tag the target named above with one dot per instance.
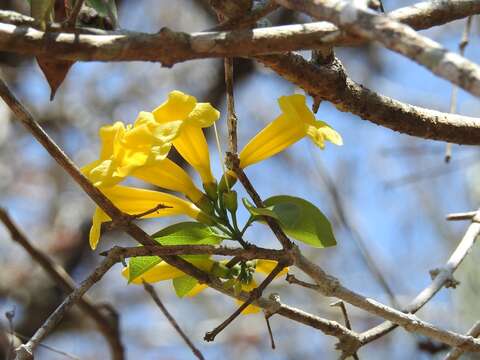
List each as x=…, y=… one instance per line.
x=140, y=150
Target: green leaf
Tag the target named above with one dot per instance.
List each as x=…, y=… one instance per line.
x=266, y=211
x=302, y=220
x=105, y=8
x=188, y=233
x=141, y=264
x=184, y=284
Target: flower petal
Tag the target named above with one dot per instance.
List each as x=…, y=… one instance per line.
x=274, y=138
x=250, y=309
x=321, y=131
x=295, y=107
x=177, y=107
x=196, y=290
x=159, y=272
x=193, y=147
x=267, y=266
x=203, y=115
x=168, y=175
x=109, y=136
x=98, y=218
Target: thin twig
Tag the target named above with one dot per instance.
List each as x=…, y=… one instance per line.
x=291, y=279
x=453, y=98
x=231, y=116
x=108, y=327
x=343, y=308
x=395, y=36
x=233, y=163
x=254, y=295
x=443, y=277
x=251, y=253
x=151, y=291
x=25, y=351
x=331, y=286
x=72, y=19
x=270, y=333
x=455, y=353
x=249, y=19
x=10, y=315
x=461, y=216
x=49, y=348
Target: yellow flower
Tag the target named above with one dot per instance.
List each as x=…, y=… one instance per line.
x=136, y=201
x=127, y=148
x=168, y=175
x=185, y=118
x=295, y=122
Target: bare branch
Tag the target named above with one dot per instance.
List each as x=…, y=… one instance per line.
x=231, y=116
x=253, y=252
x=61, y=277
x=443, y=277
x=461, y=216
x=453, y=97
x=330, y=286
x=151, y=291
x=332, y=83
x=25, y=351
x=249, y=19
x=167, y=46
x=395, y=36
x=455, y=353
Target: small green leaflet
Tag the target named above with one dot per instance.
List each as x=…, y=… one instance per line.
x=301, y=220
x=188, y=233
x=184, y=233
x=184, y=284
x=140, y=264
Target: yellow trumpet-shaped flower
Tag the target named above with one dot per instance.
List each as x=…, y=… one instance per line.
x=125, y=148
x=295, y=122
x=135, y=201
x=168, y=175
x=185, y=118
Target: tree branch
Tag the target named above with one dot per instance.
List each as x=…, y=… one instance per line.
x=442, y=277
x=395, y=36
x=331, y=83
x=67, y=284
x=25, y=351
x=330, y=286
x=253, y=252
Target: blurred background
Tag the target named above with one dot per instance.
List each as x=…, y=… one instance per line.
x=386, y=194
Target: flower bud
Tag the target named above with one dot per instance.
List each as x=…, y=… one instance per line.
x=230, y=201
x=211, y=190
x=227, y=181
